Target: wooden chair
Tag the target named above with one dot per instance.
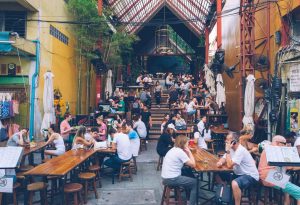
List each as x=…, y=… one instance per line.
x=75, y=189
x=37, y=186
x=96, y=170
x=125, y=171
x=15, y=200
x=159, y=163
x=143, y=145
x=166, y=196
x=87, y=179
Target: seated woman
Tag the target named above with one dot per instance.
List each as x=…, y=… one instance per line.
x=18, y=139
x=164, y=122
x=165, y=142
x=79, y=141
x=206, y=133
x=134, y=139
x=246, y=135
x=174, y=161
x=198, y=138
x=180, y=123
x=59, y=145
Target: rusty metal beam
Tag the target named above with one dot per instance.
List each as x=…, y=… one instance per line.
x=145, y=18
x=183, y=16
x=219, y=24
x=128, y=9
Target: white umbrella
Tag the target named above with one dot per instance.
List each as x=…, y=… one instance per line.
x=210, y=80
x=108, y=86
x=220, y=91
x=249, y=100
x=48, y=100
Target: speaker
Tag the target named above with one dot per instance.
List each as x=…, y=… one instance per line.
x=12, y=69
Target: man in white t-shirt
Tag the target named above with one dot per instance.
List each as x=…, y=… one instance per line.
x=244, y=168
x=140, y=127
x=174, y=160
x=120, y=142
x=192, y=106
x=297, y=144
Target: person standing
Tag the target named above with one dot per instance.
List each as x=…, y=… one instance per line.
x=121, y=105
x=174, y=161
x=65, y=127
x=146, y=118
x=244, y=168
x=173, y=96
x=157, y=93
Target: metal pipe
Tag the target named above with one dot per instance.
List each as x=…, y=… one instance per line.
x=33, y=88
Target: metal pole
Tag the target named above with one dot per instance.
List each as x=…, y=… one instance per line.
x=33, y=88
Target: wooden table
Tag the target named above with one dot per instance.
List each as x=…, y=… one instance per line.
x=186, y=132
x=59, y=166
x=219, y=130
x=206, y=162
x=28, y=151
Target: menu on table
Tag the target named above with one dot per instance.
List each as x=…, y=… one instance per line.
x=282, y=156
x=10, y=157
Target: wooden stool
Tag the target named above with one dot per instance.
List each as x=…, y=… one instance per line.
x=37, y=186
x=133, y=165
x=143, y=144
x=159, y=164
x=87, y=177
x=73, y=188
x=25, y=168
x=15, y=201
x=167, y=195
x=125, y=171
x=96, y=170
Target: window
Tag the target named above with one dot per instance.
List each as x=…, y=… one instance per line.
x=13, y=21
x=59, y=35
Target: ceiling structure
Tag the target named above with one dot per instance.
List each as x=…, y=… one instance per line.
x=135, y=13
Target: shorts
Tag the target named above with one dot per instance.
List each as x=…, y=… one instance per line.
x=245, y=181
x=292, y=190
x=191, y=112
x=56, y=152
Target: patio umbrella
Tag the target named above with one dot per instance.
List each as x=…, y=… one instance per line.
x=48, y=99
x=220, y=91
x=210, y=80
x=108, y=86
x=249, y=100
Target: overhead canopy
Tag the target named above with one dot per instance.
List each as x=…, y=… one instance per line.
x=135, y=12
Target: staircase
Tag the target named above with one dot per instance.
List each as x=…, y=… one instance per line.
x=157, y=113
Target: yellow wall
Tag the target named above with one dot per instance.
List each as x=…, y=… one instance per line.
x=231, y=44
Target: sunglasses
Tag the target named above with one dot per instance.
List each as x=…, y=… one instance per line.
x=284, y=143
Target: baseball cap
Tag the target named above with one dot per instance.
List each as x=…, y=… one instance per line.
x=171, y=126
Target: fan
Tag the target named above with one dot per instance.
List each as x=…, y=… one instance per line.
x=261, y=85
x=261, y=63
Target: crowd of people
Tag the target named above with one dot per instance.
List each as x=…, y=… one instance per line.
x=126, y=132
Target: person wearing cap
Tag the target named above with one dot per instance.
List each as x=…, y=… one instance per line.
x=264, y=169
x=102, y=129
x=244, y=168
x=165, y=141
x=172, y=126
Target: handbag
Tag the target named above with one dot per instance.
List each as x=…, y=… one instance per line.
x=222, y=194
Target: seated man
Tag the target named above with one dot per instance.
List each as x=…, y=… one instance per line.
x=180, y=123
x=17, y=139
x=120, y=142
x=244, y=168
x=264, y=168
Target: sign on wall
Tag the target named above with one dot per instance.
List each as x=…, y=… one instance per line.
x=295, y=78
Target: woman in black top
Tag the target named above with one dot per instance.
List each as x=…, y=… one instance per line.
x=165, y=142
